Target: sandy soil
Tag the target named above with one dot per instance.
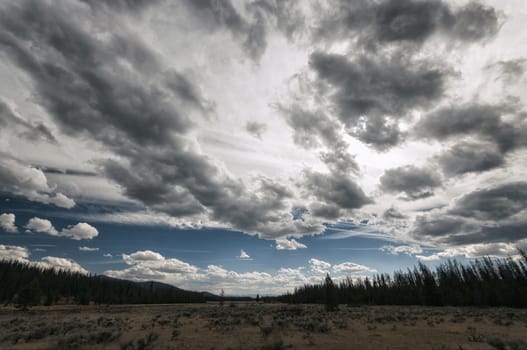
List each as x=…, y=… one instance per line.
x=261, y=326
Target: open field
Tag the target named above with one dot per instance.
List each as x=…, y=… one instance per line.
x=261, y=326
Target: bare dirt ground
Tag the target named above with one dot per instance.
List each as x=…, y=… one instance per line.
x=261, y=326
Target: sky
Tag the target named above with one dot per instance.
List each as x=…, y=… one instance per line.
x=255, y=146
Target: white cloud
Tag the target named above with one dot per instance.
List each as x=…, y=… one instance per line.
x=432, y=257
x=494, y=250
x=145, y=255
x=42, y=226
x=349, y=267
x=244, y=255
x=21, y=254
x=61, y=264
x=108, y=255
x=77, y=232
x=80, y=231
x=88, y=249
x=150, y=261
x=19, y=178
x=10, y=252
x=319, y=267
x=7, y=222
x=289, y=244
x=149, y=265
x=402, y=249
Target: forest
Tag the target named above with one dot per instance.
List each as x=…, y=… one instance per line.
x=481, y=282
x=27, y=285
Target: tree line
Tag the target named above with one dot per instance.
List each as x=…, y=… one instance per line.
x=481, y=282
x=26, y=285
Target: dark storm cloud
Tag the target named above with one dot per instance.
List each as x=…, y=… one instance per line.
x=222, y=14
x=414, y=182
x=368, y=85
x=370, y=93
x=80, y=82
x=495, y=203
x=385, y=77
x=472, y=22
x=336, y=189
x=256, y=129
x=455, y=230
x=121, y=5
x=339, y=161
x=285, y=15
x=10, y=121
x=393, y=213
x=138, y=110
x=511, y=70
x=398, y=20
x=441, y=226
x=312, y=129
x=325, y=211
x=467, y=157
x=483, y=121
x=182, y=86
x=377, y=23
x=380, y=132
x=73, y=172
x=482, y=216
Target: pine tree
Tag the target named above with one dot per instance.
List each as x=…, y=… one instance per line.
x=30, y=295
x=331, y=294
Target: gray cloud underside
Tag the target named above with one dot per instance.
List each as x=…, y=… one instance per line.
x=221, y=14
x=496, y=214
x=485, y=122
x=377, y=23
x=335, y=189
x=143, y=111
x=414, y=182
x=142, y=114
x=383, y=77
x=489, y=132
x=315, y=129
x=256, y=129
x=370, y=93
x=11, y=120
x=466, y=157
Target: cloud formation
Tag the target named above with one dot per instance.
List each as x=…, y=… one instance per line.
x=30, y=182
x=149, y=265
x=402, y=249
x=90, y=93
x=370, y=93
x=414, y=182
x=88, y=249
x=256, y=129
x=11, y=120
x=489, y=215
x=353, y=92
x=406, y=22
x=76, y=232
x=7, y=222
x=289, y=244
x=244, y=255
x=22, y=254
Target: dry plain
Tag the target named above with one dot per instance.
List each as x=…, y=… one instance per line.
x=261, y=326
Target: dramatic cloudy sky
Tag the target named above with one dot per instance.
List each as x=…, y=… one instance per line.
x=257, y=145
